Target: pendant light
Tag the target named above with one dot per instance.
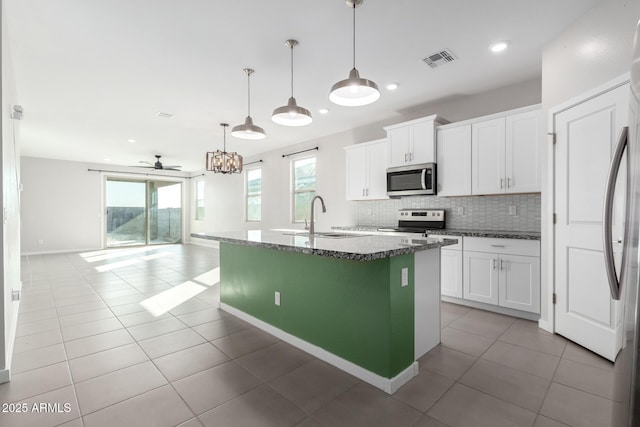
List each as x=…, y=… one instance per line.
x=223, y=162
x=291, y=114
x=248, y=130
x=354, y=91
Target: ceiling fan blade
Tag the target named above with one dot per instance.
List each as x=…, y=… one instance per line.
x=171, y=166
x=171, y=169
x=146, y=163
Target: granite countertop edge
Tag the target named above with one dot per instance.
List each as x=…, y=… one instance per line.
x=354, y=256
x=498, y=234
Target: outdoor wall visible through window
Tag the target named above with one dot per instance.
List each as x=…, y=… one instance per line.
x=303, y=187
x=254, y=194
x=200, y=199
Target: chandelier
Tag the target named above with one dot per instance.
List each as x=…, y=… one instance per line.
x=221, y=161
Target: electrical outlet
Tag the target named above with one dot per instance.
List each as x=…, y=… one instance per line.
x=277, y=298
x=513, y=210
x=461, y=211
x=405, y=277
x=41, y=242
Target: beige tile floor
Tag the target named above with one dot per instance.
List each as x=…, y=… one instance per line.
x=85, y=339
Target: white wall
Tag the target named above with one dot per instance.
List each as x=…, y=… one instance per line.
x=224, y=198
x=591, y=52
x=62, y=204
x=10, y=248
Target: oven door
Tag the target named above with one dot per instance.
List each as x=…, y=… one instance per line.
x=412, y=180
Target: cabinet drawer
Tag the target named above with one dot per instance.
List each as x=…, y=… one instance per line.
x=456, y=247
x=502, y=246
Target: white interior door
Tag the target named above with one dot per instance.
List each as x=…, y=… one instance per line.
x=586, y=135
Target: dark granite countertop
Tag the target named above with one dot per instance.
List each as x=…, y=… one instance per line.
x=500, y=234
x=357, y=247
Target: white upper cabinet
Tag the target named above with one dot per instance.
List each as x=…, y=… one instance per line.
x=507, y=154
x=523, y=153
x=454, y=160
x=366, y=170
x=413, y=142
x=488, y=153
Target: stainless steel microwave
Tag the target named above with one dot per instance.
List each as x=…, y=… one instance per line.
x=414, y=180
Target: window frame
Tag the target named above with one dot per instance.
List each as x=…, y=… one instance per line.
x=195, y=216
x=247, y=195
x=293, y=191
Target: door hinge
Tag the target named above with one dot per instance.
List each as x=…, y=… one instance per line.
x=553, y=137
x=555, y=218
x=554, y=298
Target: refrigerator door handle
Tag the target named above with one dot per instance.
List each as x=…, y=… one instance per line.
x=614, y=284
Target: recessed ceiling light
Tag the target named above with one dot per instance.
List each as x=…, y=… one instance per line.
x=164, y=115
x=498, y=47
x=323, y=111
x=392, y=86
x=131, y=140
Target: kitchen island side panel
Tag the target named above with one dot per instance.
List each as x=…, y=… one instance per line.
x=353, y=309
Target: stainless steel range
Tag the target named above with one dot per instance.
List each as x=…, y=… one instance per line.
x=417, y=221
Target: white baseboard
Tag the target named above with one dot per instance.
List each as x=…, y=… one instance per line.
x=388, y=385
x=489, y=307
x=62, y=251
x=5, y=376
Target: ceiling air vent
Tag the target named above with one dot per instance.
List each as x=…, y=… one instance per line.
x=164, y=115
x=438, y=59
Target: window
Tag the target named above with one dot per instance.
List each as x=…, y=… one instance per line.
x=303, y=183
x=200, y=199
x=254, y=194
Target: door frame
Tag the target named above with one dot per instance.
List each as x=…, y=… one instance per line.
x=147, y=177
x=549, y=238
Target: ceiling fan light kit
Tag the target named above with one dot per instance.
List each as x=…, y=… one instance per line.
x=158, y=165
x=222, y=161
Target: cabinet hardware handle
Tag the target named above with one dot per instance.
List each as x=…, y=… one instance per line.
x=367, y=192
x=501, y=264
x=405, y=157
x=501, y=182
x=494, y=263
x=508, y=182
x=497, y=246
x=363, y=191
x=410, y=157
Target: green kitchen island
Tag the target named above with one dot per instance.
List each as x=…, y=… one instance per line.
x=369, y=305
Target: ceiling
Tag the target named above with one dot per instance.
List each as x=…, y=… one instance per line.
x=92, y=74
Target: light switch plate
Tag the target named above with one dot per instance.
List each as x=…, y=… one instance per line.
x=277, y=298
x=405, y=277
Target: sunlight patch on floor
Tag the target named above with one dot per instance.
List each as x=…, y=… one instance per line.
x=167, y=300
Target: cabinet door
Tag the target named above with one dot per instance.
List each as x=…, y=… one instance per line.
x=451, y=273
x=422, y=147
x=488, y=150
x=398, y=146
x=480, y=277
x=454, y=161
x=356, y=173
x=520, y=282
x=523, y=153
x=377, y=171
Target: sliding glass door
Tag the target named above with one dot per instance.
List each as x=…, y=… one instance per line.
x=143, y=212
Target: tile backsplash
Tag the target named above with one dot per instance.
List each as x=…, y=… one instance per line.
x=473, y=213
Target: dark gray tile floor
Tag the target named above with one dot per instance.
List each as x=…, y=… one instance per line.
x=132, y=337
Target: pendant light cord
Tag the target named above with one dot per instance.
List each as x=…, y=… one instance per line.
x=248, y=94
x=292, y=70
x=354, y=35
x=224, y=139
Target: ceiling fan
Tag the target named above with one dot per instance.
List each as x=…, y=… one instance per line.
x=158, y=165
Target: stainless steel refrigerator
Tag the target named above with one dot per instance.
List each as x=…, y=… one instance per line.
x=625, y=283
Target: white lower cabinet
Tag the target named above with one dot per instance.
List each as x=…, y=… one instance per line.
x=450, y=267
x=502, y=272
